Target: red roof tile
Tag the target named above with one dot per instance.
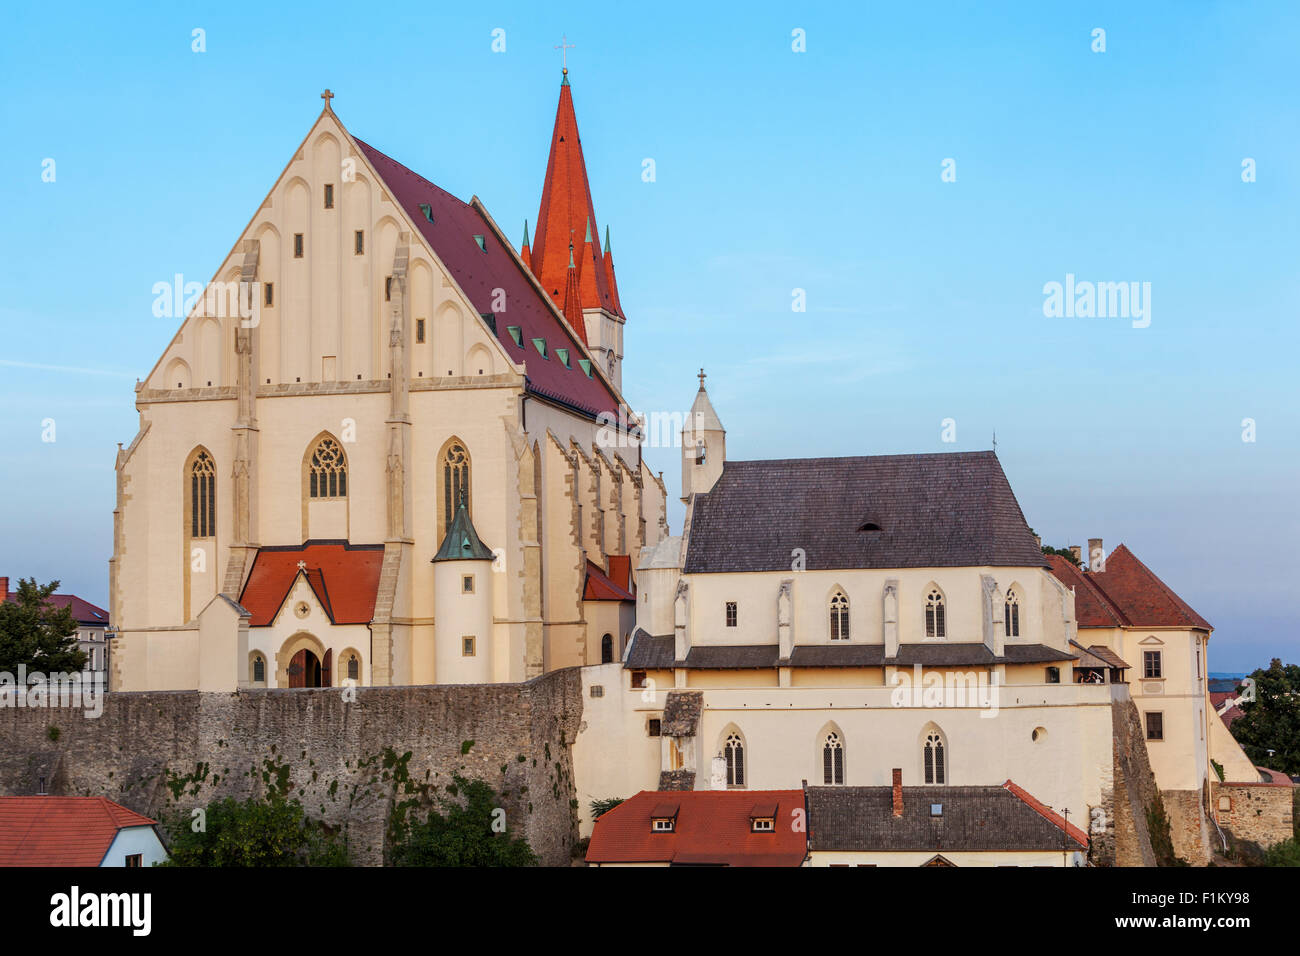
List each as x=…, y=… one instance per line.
x=61, y=831
x=344, y=577
x=480, y=272
x=83, y=612
x=712, y=827
x=1144, y=599
x=1047, y=813
x=620, y=571
x=1218, y=699
x=1092, y=608
x=600, y=588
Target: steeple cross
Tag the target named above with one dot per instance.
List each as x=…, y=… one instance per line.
x=302, y=565
x=327, y=96
x=701, y=377
x=564, y=46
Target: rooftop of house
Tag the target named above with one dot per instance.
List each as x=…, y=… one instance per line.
x=1126, y=594
x=61, y=831
x=344, y=577
x=83, y=612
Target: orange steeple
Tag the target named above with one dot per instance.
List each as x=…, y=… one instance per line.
x=566, y=222
x=572, y=302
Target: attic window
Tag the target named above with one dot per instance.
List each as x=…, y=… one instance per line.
x=482, y=244
x=563, y=356
x=540, y=345
x=869, y=526
x=663, y=818
x=491, y=320
x=585, y=365
x=762, y=825
x=514, y=334
x=936, y=809
x=427, y=211
x=662, y=825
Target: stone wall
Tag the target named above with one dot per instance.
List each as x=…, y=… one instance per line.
x=1134, y=791
x=161, y=753
x=1188, y=825
x=1256, y=813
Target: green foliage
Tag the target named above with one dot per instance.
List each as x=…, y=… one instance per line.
x=465, y=746
x=36, y=634
x=53, y=733
x=1269, y=728
x=271, y=832
x=599, y=807
x=461, y=833
x=1286, y=853
x=1218, y=769
x=1162, y=841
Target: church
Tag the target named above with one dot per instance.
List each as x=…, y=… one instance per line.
x=372, y=453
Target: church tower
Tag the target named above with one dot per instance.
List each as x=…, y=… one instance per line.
x=566, y=255
x=704, y=446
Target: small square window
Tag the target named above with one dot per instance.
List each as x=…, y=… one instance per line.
x=419, y=331
x=359, y=242
x=653, y=726
x=467, y=584
x=1053, y=675
x=135, y=860
x=638, y=678
x=731, y=614
x=467, y=647
x=270, y=293
x=762, y=825
x=1155, y=725
x=329, y=195
x=597, y=690
x=297, y=245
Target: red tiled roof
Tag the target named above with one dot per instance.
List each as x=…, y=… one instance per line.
x=600, y=588
x=1092, y=608
x=1047, y=813
x=620, y=571
x=83, y=612
x=568, y=215
x=1218, y=699
x=344, y=577
x=61, y=831
x=712, y=827
x=1275, y=776
x=480, y=272
x=1144, y=599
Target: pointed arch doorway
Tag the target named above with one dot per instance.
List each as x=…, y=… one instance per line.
x=305, y=669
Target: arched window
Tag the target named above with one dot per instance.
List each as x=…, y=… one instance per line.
x=1011, y=620
x=329, y=470
x=607, y=649
x=354, y=667
x=839, y=616
x=935, y=625
x=259, y=669
x=734, y=751
x=934, y=758
x=203, y=496
x=455, y=482
x=832, y=759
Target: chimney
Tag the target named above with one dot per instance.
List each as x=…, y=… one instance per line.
x=898, y=792
x=1038, y=540
x=1096, y=555
x=4, y=589
x=1077, y=552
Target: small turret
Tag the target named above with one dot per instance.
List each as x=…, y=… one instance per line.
x=704, y=446
x=462, y=594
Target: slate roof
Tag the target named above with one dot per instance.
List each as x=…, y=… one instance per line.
x=648, y=652
x=479, y=272
x=731, y=656
x=712, y=828
x=973, y=819
x=1098, y=655
x=61, y=831
x=939, y=510
x=344, y=577
x=838, y=655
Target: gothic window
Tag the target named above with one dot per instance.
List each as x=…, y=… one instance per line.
x=734, y=751
x=203, y=497
x=935, y=625
x=607, y=649
x=839, y=616
x=455, y=482
x=1011, y=620
x=832, y=759
x=329, y=471
x=259, y=669
x=354, y=667
x=934, y=758
x=731, y=614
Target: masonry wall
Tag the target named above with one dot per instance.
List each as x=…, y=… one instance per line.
x=1258, y=813
x=162, y=753
x=1189, y=827
x=1134, y=791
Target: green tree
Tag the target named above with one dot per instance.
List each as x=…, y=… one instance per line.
x=1269, y=728
x=1286, y=853
x=599, y=807
x=34, y=633
x=467, y=831
x=1063, y=552
x=271, y=832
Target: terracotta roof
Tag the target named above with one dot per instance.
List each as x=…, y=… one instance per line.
x=1145, y=600
x=344, y=577
x=1274, y=777
x=1092, y=608
x=712, y=828
x=599, y=587
x=480, y=272
x=939, y=510
x=61, y=831
x=972, y=819
x=568, y=216
x=1217, y=701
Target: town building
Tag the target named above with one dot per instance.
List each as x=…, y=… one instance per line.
x=76, y=831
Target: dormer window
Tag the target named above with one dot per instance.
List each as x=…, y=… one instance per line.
x=664, y=825
x=515, y=335
x=427, y=211
x=762, y=819
x=664, y=818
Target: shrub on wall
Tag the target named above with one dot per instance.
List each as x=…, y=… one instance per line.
x=270, y=832
x=469, y=829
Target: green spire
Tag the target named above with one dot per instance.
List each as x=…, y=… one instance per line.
x=606, y=238
x=525, y=233
x=565, y=81
x=588, y=239
x=462, y=542
x=571, y=263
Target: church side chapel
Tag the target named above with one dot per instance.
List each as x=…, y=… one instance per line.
x=369, y=453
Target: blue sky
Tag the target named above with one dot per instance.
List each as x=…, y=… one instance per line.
x=775, y=170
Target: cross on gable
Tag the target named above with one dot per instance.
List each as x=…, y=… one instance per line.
x=302, y=565
x=701, y=377
x=327, y=96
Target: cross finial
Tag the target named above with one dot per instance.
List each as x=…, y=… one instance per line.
x=327, y=96
x=702, y=377
x=564, y=46
x=995, y=439
x=302, y=565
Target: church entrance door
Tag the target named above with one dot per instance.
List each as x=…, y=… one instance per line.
x=304, y=669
